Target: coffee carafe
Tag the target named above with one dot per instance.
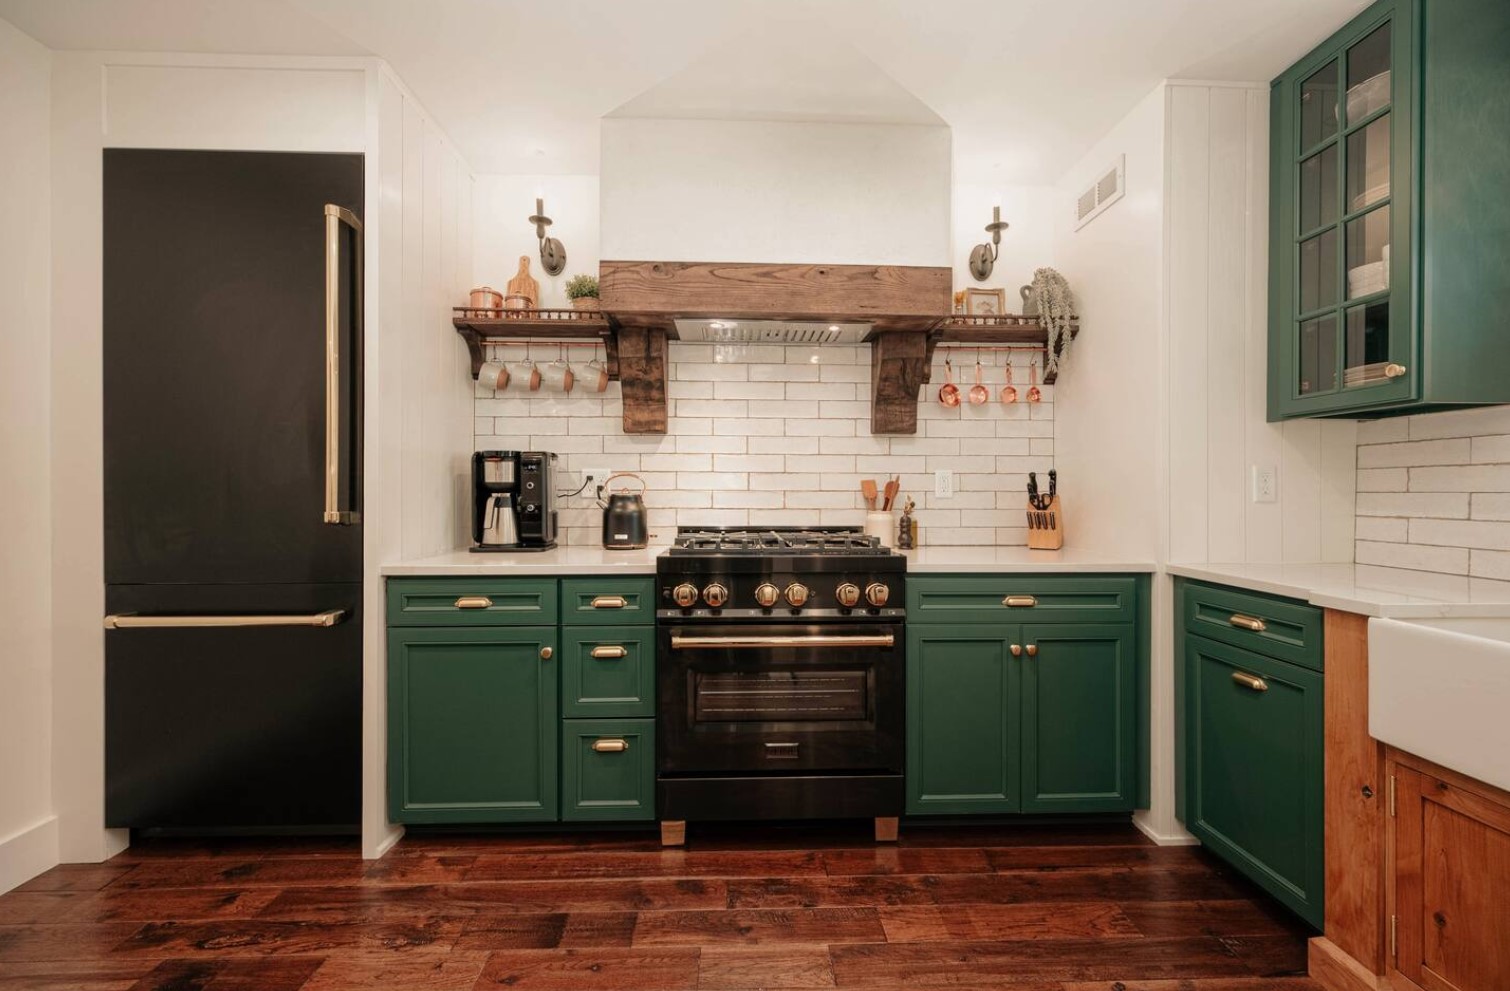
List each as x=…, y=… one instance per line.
x=500, y=527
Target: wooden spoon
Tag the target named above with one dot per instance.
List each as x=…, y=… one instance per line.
x=891, y=493
x=868, y=490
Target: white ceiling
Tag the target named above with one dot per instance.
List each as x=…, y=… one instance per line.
x=1026, y=85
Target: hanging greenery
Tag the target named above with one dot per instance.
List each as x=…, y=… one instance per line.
x=1056, y=308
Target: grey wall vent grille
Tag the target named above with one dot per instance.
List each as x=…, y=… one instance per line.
x=1108, y=189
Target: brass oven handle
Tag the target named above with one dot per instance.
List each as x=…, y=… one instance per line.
x=609, y=653
x=335, y=216
x=1250, y=681
x=615, y=746
x=474, y=602
x=609, y=602
x=1020, y=601
x=757, y=642
x=1247, y=622
x=131, y=621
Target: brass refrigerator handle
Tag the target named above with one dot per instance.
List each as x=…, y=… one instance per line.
x=335, y=216
x=131, y=621
x=1247, y=622
x=754, y=643
x=1252, y=681
x=609, y=653
x=615, y=746
x=609, y=602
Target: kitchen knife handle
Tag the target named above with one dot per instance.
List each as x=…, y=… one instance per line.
x=335, y=216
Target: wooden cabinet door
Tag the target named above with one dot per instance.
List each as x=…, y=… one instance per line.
x=473, y=724
x=1451, y=882
x=1079, y=718
x=1254, y=756
x=963, y=731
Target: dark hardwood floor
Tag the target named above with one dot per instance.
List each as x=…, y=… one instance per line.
x=1024, y=908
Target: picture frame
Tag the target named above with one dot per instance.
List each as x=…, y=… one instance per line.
x=985, y=302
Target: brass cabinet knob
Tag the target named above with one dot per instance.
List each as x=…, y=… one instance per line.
x=766, y=595
x=715, y=595
x=1393, y=370
x=797, y=594
x=877, y=594
x=1032, y=650
x=685, y=595
x=546, y=653
x=1017, y=650
x=848, y=595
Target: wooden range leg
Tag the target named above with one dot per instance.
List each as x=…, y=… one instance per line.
x=886, y=829
x=673, y=832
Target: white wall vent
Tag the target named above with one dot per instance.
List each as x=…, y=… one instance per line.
x=1107, y=190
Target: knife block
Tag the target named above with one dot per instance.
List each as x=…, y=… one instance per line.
x=1046, y=527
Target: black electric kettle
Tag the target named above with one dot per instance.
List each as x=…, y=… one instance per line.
x=625, y=524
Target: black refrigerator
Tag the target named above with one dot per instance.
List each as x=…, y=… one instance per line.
x=233, y=490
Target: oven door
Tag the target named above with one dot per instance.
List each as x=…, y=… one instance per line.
x=770, y=699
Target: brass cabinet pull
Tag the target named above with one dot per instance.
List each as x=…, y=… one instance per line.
x=609, y=653
x=474, y=602
x=546, y=653
x=609, y=602
x=1017, y=650
x=131, y=621
x=1032, y=650
x=1393, y=370
x=1019, y=601
x=1247, y=622
x=615, y=746
x=1252, y=681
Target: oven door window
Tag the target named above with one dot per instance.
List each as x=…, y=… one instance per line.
x=782, y=696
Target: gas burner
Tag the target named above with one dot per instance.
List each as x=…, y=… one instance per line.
x=776, y=540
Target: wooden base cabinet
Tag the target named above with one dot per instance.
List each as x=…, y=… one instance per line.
x=1448, y=883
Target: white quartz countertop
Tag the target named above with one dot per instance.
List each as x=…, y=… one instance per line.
x=1369, y=591
x=597, y=561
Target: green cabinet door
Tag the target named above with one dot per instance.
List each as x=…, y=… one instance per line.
x=473, y=724
x=607, y=770
x=962, y=724
x=1254, y=767
x=1079, y=718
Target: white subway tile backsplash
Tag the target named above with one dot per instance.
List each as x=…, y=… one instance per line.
x=775, y=435
x=1441, y=505
x=1490, y=506
x=1395, y=531
x=1489, y=564
x=1494, y=449
x=1383, y=480
x=1421, y=452
x=1484, y=534
x=1446, y=560
x=1468, y=478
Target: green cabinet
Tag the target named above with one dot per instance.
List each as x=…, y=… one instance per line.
x=1390, y=149
x=472, y=724
x=1036, y=717
x=1248, y=739
x=607, y=671
x=607, y=770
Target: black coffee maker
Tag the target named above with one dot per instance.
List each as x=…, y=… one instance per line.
x=513, y=500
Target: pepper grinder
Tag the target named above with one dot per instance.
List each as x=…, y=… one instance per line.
x=905, y=531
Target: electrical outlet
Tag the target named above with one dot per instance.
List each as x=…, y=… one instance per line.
x=1265, y=483
x=592, y=481
x=943, y=484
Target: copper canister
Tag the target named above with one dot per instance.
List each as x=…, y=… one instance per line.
x=485, y=298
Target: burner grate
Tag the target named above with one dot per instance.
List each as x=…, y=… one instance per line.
x=776, y=540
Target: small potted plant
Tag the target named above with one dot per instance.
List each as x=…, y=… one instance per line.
x=582, y=290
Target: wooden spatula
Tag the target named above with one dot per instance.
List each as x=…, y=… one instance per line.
x=892, y=487
x=868, y=490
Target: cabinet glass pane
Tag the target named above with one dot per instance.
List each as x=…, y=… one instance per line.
x=1368, y=253
x=1318, y=106
x=1368, y=165
x=1318, y=355
x=1367, y=342
x=1318, y=189
x=1368, y=75
x=1318, y=271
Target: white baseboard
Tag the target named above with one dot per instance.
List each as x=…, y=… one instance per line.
x=380, y=849
x=28, y=852
x=1177, y=838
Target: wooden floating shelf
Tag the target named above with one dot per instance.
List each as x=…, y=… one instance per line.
x=1008, y=328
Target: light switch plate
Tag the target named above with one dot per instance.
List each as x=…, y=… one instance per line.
x=1265, y=483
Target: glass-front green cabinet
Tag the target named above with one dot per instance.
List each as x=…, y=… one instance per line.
x=1361, y=210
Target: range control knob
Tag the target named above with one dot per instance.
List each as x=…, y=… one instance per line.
x=797, y=595
x=877, y=594
x=715, y=595
x=685, y=595
x=766, y=595
x=848, y=595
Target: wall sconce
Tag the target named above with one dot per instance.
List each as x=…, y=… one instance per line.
x=552, y=251
x=983, y=256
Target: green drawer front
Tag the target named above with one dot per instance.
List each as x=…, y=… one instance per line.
x=607, y=601
x=1254, y=793
x=607, y=769
x=1291, y=630
x=471, y=602
x=1033, y=598
x=618, y=682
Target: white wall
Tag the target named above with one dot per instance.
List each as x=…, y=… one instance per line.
x=28, y=829
x=764, y=191
x=502, y=234
x=1216, y=240
x=1026, y=245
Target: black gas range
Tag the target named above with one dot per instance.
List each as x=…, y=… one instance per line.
x=780, y=676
